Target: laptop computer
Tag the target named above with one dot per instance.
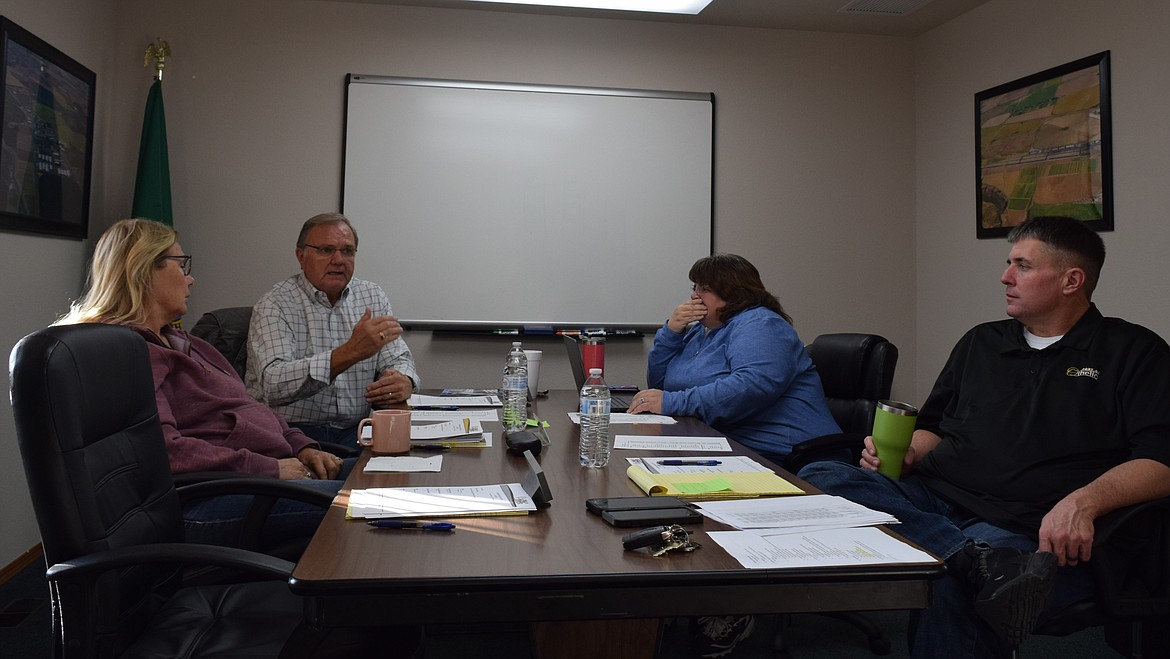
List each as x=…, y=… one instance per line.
x=616, y=403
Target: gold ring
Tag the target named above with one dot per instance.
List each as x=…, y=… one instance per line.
x=382, y=335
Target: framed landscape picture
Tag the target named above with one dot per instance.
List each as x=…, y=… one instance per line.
x=1043, y=146
x=46, y=139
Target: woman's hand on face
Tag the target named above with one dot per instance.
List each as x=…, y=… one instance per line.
x=686, y=313
x=647, y=400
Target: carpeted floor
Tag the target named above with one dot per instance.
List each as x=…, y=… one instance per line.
x=25, y=634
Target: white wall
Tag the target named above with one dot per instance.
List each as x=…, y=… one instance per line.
x=958, y=276
x=41, y=274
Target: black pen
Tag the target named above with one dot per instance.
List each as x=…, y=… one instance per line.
x=431, y=447
x=689, y=463
x=400, y=524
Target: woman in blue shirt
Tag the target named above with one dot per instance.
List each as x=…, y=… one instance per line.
x=730, y=357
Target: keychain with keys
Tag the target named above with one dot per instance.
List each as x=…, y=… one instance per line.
x=660, y=539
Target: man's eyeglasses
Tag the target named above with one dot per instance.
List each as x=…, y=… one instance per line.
x=184, y=262
x=329, y=250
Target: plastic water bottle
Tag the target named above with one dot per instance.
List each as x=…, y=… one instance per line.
x=515, y=390
x=596, y=444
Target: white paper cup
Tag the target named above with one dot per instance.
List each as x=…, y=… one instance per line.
x=533, y=371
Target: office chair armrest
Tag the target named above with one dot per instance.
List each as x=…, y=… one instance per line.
x=89, y=566
x=254, y=485
x=826, y=447
x=1131, y=559
x=1109, y=524
x=200, y=476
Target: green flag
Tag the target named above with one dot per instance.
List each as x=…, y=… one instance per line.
x=152, y=186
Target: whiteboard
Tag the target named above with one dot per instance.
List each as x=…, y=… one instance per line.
x=496, y=206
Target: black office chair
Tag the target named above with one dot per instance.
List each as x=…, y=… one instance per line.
x=856, y=371
x=1131, y=565
x=226, y=330
x=110, y=516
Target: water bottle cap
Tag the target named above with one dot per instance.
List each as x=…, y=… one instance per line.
x=515, y=344
x=595, y=371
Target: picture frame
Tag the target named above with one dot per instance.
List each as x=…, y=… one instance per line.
x=46, y=137
x=1043, y=146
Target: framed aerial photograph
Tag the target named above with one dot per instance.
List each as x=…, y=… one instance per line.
x=1043, y=146
x=46, y=139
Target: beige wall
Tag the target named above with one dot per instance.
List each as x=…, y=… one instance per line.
x=958, y=276
x=40, y=274
x=843, y=162
x=814, y=150
x=814, y=144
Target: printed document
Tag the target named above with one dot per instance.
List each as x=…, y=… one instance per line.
x=505, y=499
x=626, y=417
x=774, y=516
x=671, y=443
x=454, y=401
x=403, y=463
x=836, y=547
x=727, y=463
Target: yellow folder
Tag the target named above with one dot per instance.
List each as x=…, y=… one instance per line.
x=723, y=485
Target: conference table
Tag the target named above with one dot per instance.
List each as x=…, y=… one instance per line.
x=560, y=563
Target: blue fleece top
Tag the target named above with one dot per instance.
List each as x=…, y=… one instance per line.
x=750, y=379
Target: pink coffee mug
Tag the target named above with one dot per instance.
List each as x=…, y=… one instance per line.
x=390, y=431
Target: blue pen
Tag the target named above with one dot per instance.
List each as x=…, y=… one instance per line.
x=431, y=447
x=689, y=463
x=400, y=524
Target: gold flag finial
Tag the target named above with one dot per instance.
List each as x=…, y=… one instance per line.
x=159, y=51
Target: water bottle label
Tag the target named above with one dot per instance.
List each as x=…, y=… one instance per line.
x=516, y=382
x=594, y=407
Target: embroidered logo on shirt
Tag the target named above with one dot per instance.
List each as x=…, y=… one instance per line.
x=1074, y=372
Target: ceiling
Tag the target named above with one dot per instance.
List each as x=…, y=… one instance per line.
x=864, y=17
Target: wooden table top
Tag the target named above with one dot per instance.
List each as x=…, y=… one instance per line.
x=559, y=553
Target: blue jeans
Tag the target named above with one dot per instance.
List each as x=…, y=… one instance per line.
x=217, y=521
x=949, y=627
x=344, y=436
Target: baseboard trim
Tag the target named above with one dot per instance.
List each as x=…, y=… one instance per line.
x=24, y=560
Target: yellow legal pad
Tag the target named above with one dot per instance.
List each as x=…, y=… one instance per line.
x=721, y=485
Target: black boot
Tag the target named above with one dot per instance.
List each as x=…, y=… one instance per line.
x=1010, y=586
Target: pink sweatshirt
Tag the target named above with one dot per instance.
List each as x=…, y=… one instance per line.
x=209, y=422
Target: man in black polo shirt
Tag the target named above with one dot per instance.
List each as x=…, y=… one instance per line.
x=1037, y=426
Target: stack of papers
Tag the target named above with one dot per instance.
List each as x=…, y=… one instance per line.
x=454, y=401
x=403, y=464
x=672, y=443
x=836, y=547
x=817, y=530
x=626, y=417
x=475, y=500
x=465, y=429
x=812, y=512
x=727, y=463
x=725, y=485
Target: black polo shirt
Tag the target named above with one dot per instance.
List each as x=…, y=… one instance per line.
x=1022, y=428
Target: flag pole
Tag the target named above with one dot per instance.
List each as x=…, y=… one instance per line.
x=159, y=51
x=152, y=183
